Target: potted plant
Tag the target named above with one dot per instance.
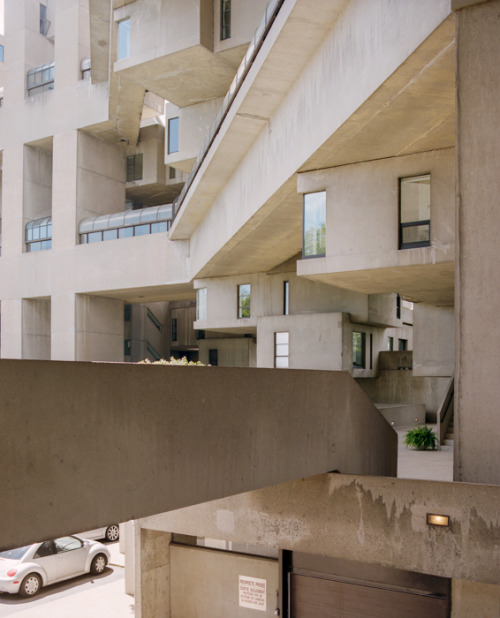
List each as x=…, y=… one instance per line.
x=421, y=438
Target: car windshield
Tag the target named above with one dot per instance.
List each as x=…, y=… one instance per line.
x=14, y=554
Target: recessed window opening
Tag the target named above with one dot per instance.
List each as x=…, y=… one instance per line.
x=281, y=350
x=244, y=301
x=225, y=20
x=173, y=135
x=358, y=349
x=213, y=357
x=390, y=343
x=402, y=344
x=38, y=235
x=134, y=167
x=314, y=224
x=44, y=22
x=173, y=330
x=123, y=39
x=40, y=79
x=152, y=352
x=415, y=211
x=171, y=172
x=85, y=67
x=1, y=53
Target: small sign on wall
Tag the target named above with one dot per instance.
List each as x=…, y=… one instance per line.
x=252, y=592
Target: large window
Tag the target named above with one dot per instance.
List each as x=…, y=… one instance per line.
x=314, y=241
x=358, y=349
x=281, y=350
x=201, y=304
x=225, y=19
x=39, y=235
x=123, y=39
x=213, y=357
x=415, y=211
x=244, y=301
x=40, y=79
x=173, y=135
x=134, y=167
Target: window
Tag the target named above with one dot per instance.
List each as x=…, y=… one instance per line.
x=44, y=22
x=225, y=20
x=281, y=350
x=314, y=226
x=213, y=358
x=358, y=350
x=402, y=344
x=171, y=173
x=134, y=167
x=286, y=297
x=201, y=304
x=1, y=53
x=123, y=39
x=244, y=301
x=127, y=313
x=85, y=67
x=415, y=211
x=38, y=235
x=390, y=343
x=398, y=307
x=173, y=135
x=40, y=79
x=174, y=329
x=127, y=347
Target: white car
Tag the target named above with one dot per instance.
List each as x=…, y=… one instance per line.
x=26, y=569
x=109, y=533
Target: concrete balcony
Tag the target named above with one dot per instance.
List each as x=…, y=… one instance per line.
x=90, y=443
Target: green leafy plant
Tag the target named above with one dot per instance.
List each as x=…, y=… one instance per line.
x=171, y=361
x=421, y=438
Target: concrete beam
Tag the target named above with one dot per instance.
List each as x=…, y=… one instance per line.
x=85, y=444
x=377, y=521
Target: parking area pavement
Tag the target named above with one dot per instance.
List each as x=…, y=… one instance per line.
x=81, y=597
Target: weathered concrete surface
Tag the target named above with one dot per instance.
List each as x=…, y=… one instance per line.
x=477, y=455
x=84, y=444
x=370, y=520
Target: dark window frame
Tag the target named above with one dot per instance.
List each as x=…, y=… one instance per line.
x=242, y=296
x=173, y=329
x=225, y=20
x=135, y=165
x=410, y=224
x=362, y=363
x=173, y=135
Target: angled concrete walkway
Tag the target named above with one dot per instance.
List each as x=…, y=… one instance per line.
x=424, y=465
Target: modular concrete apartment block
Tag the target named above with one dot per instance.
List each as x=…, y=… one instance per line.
x=302, y=195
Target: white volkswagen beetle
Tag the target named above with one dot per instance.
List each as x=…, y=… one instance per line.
x=25, y=570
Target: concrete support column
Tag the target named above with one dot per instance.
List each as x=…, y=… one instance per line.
x=36, y=328
x=11, y=324
x=477, y=456
x=99, y=329
x=64, y=197
x=152, y=597
x=72, y=24
x=12, y=202
x=63, y=339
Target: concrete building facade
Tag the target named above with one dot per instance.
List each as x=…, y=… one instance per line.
x=303, y=195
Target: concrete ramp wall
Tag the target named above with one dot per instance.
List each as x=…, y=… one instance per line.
x=86, y=444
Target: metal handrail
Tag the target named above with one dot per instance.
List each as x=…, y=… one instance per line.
x=272, y=10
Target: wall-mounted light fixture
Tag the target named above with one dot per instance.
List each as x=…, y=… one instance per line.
x=438, y=520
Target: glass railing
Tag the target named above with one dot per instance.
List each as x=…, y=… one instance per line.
x=270, y=14
x=151, y=220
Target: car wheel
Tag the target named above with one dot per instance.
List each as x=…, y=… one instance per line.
x=112, y=533
x=30, y=585
x=98, y=564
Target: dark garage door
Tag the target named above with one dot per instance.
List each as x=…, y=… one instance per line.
x=314, y=597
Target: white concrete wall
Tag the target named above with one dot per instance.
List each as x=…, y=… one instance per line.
x=433, y=340
x=37, y=186
x=362, y=211
x=36, y=328
x=99, y=329
x=231, y=351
